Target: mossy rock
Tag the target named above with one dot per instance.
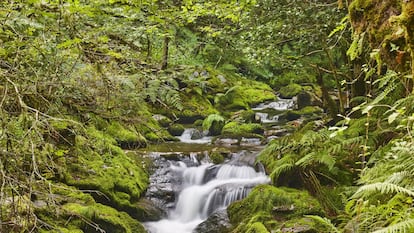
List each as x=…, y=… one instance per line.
x=241, y=129
x=97, y=163
x=125, y=138
x=195, y=107
x=244, y=95
x=162, y=120
x=176, y=129
x=265, y=203
x=198, y=122
x=301, y=225
x=153, y=131
x=290, y=90
x=308, y=111
x=216, y=157
x=107, y=218
x=214, y=123
x=77, y=209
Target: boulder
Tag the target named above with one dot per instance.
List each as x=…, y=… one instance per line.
x=218, y=222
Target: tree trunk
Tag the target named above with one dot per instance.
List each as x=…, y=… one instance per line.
x=164, y=63
x=338, y=84
x=328, y=102
x=358, y=87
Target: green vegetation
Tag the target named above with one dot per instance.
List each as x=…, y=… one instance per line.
x=81, y=81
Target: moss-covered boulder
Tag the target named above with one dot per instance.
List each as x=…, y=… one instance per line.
x=153, y=131
x=290, y=90
x=176, y=129
x=97, y=163
x=126, y=138
x=195, y=107
x=216, y=157
x=244, y=95
x=103, y=217
x=241, y=129
x=162, y=120
x=214, y=123
x=308, y=112
x=267, y=208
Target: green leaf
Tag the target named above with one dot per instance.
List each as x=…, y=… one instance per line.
x=392, y=117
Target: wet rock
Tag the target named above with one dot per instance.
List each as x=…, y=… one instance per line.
x=276, y=131
x=250, y=142
x=218, y=222
x=226, y=141
x=304, y=99
x=196, y=134
x=162, y=189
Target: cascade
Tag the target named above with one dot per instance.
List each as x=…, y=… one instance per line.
x=206, y=188
x=192, y=135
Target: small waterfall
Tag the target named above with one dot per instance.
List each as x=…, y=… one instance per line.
x=205, y=189
x=280, y=104
x=192, y=135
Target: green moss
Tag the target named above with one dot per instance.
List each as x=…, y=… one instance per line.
x=176, y=129
x=266, y=203
x=216, y=157
x=244, y=95
x=198, y=122
x=98, y=164
x=301, y=225
x=126, y=138
x=290, y=90
x=257, y=227
x=308, y=111
x=107, y=218
x=214, y=123
x=236, y=128
x=248, y=116
x=152, y=131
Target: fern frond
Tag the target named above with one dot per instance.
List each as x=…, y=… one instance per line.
x=330, y=227
x=399, y=177
x=284, y=165
x=306, y=160
x=326, y=159
x=405, y=226
x=382, y=187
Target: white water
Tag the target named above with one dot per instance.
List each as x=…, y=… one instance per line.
x=264, y=117
x=199, y=198
x=280, y=104
x=186, y=137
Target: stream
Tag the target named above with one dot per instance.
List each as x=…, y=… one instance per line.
x=189, y=188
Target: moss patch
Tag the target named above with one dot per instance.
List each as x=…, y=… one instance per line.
x=214, y=123
x=290, y=90
x=98, y=164
x=107, y=218
x=240, y=129
x=267, y=203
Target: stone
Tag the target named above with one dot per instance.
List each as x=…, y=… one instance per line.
x=218, y=222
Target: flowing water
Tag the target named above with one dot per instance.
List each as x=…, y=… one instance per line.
x=190, y=188
x=206, y=188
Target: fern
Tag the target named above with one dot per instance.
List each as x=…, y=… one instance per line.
x=164, y=90
x=405, y=226
x=356, y=47
x=282, y=166
x=330, y=227
x=382, y=187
